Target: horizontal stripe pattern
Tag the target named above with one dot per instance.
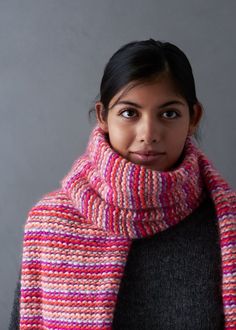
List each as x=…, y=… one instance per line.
x=77, y=238
x=71, y=276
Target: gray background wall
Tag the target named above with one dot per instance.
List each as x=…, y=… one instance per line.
x=52, y=56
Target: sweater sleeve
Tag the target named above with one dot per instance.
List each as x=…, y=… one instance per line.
x=15, y=313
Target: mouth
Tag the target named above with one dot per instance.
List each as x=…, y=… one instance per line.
x=147, y=157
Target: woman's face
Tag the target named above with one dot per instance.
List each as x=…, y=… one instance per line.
x=149, y=124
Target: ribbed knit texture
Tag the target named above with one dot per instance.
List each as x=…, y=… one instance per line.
x=77, y=238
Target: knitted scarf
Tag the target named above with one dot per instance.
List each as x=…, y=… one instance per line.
x=77, y=238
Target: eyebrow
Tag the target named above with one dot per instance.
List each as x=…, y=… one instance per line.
x=166, y=104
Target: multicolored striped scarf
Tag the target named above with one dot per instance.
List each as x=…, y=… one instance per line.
x=77, y=238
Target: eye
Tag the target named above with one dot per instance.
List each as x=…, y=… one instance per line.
x=128, y=113
x=170, y=114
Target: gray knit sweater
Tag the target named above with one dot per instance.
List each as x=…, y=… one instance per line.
x=172, y=280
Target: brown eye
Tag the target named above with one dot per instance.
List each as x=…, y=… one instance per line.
x=171, y=114
x=128, y=113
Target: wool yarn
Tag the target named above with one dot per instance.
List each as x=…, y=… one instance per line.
x=77, y=238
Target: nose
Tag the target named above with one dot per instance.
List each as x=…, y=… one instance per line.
x=149, y=132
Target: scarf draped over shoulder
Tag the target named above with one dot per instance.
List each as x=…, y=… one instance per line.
x=77, y=238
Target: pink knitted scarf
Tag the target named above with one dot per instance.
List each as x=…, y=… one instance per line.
x=77, y=238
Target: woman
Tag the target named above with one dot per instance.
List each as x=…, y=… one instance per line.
x=141, y=232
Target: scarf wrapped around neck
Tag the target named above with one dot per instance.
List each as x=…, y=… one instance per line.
x=77, y=238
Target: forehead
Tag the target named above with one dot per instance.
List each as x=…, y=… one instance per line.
x=161, y=87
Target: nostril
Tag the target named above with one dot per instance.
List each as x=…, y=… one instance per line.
x=152, y=141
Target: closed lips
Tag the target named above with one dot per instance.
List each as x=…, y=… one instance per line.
x=148, y=153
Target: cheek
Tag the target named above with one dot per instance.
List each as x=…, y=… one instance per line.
x=179, y=133
x=175, y=141
x=121, y=138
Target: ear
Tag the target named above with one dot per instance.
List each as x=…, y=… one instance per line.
x=100, y=114
x=195, y=119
